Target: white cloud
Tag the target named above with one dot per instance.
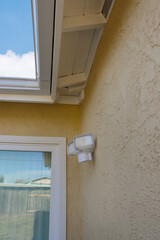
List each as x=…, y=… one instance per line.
x=20, y=66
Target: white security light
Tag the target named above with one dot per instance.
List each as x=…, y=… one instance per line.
x=83, y=146
x=71, y=149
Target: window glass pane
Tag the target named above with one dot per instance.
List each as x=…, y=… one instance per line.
x=25, y=181
x=17, y=58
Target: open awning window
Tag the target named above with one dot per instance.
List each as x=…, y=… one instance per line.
x=26, y=46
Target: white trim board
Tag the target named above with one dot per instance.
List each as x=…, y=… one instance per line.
x=57, y=146
x=56, y=46
x=25, y=98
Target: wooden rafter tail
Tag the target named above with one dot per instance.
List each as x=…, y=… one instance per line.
x=81, y=96
x=71, y=80
x=67, y=100
x=83, y=22
x=76, y=89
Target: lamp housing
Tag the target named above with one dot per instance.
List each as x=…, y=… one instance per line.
x=83, y=146
x=71, y=149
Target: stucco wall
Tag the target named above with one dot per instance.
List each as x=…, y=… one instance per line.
x=121, y=188
x=53, y=121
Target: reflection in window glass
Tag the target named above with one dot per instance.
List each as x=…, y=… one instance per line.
x=25, y=181
x=17, y=58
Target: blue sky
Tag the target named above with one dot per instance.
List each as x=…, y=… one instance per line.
x=22, y=165
x=16, y=26
x=16, y=40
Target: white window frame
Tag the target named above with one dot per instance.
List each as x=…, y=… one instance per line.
x=57, y=146
x=47, y=23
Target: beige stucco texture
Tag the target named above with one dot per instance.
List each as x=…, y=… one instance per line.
x=120, y=190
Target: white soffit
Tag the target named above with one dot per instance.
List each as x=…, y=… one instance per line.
x=83, y=24
x=73, y=31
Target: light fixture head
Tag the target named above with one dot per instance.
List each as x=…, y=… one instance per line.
x=71, y=149
x=84, y=157
x=83, y=146
x=84, y=142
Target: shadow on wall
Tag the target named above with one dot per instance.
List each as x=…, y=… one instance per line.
x=41, y=226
